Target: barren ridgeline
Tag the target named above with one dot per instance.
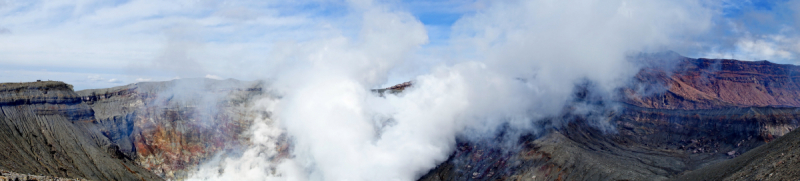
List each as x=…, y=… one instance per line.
x=666, y=123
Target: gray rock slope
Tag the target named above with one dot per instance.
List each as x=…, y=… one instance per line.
x=777, y=160
x=45, y=129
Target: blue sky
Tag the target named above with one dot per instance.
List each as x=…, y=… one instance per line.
x=96, y=44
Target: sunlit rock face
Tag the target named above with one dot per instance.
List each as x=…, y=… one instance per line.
x=171, y=127
x=46, y=130
x=674, y=117
x=713, y=83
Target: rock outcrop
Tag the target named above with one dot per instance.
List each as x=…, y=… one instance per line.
x=395, y=89
x=45, y=129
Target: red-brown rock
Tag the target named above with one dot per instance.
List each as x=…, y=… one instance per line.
x=713, y=83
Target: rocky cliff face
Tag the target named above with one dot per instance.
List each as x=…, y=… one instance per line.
x=646, y=144
x=45, y=129
x=672, y=119
x=711, y=83
x=171, y=127
x=686, y=116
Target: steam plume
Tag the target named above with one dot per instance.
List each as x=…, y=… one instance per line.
x=512, y=63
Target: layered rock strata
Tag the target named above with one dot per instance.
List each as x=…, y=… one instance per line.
x=714, y=83
x=45, y=129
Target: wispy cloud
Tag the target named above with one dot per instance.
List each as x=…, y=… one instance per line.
x=149, y=38
x=143, y=37
x=753, y=30
x=142, y=80
x=213, y=77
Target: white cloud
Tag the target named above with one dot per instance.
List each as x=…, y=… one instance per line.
x=141, y=35
x=755, y=32
x=763, y=49
x=213, y=77
x=95, y=78
x=98, y=78
x=775, y=48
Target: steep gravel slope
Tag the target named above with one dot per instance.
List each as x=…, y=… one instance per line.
x=45, y=129
x=778, y=160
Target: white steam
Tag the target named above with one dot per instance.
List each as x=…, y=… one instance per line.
x=513, y=62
